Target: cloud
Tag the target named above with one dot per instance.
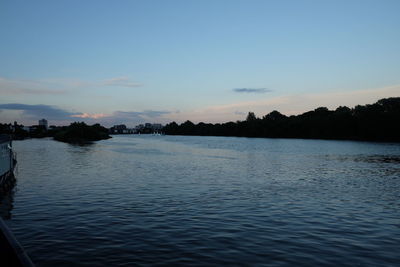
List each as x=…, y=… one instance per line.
x=252, y=90
x=154, y=113
x=123, y=117
x=56, y=86
x=287, y=104
x=90, y=116
x=27, y=87
x=130, y=118
x=59, y=116
x=141, y=114
x=135, y=117
x=121, y=82
x=239, y=113
x=26, y=91
x=40, y=111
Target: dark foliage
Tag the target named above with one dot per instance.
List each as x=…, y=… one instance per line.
x=376, y=122
x=77, y=132
x=16, y=131
x=80, y=132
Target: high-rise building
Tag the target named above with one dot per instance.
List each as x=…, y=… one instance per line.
x=43, y=122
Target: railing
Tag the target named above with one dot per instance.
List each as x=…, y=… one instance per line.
x=12, y=253
x=9, y=170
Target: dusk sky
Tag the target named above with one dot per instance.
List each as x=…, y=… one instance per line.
x=131, y=62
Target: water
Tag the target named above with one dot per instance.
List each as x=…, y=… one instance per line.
x=174, y=200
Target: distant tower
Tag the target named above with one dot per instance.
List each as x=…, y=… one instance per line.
x=43, y=122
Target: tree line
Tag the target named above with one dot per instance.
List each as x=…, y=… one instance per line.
x=80, y=132
x=76, y=132
x=375, y=122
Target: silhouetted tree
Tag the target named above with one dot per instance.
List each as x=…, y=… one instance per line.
x=251, y=117
x=79, y=132
x=379, y=121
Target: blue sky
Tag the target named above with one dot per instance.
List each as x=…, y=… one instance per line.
x=158, y=61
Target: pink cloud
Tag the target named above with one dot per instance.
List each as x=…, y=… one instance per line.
x=90, y=116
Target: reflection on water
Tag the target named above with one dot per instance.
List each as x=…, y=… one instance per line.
x=383, y=159
x=367, y=158
x=6, y=204
x=387, y=165
x=174, y=200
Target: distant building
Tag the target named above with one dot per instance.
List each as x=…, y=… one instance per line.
x=43, y=122
x=120, y=129
x=157, y=126
x=33, y=128
x=139, y=127
x=148, y=128
x=15, y=126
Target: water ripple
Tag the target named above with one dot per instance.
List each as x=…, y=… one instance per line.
x=202, y=201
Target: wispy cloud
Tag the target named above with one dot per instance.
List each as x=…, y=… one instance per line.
x=89, y=116
x=26, y=91
x=287, y=104
x=140, y=114
x=130, y=118
x=154, y=113
x=239, y=113
x=40, y=111
x=121, y=82
x=58, y=115
x=252, y=90
x=27, y=87
x=56, y=87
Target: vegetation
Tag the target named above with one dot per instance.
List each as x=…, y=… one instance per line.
x=79, y=132
x=19, y=133
x=376, y=122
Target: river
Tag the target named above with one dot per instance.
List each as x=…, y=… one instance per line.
x=181, y=200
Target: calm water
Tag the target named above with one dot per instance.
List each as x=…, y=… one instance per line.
x=173, y=200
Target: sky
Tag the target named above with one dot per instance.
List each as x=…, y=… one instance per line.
x=131, y=62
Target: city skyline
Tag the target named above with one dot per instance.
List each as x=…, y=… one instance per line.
x=133, y=62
